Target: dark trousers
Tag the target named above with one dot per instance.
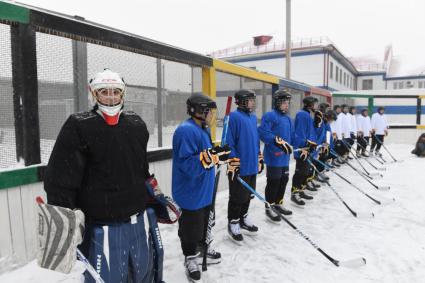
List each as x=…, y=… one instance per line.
x=277, y=179
x=192, y=224
x=347, y=145
x=322, y=157
x=362, y=142
x=340, y=148
x=302, y=173
x=239, y=197
x=377, y=143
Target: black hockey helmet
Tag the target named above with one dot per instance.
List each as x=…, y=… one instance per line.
x=336, y=106
x=309, y=101
x=199, y=103
x=330, y=115
x=279, y=96
x=323, y=107
x=381, y=108
x=242, y=96
x=351, y=109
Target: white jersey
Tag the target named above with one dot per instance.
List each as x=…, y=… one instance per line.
x=336, y=129
x=353, y=123
x=364, y=125
x=379, y=123
x=345, y=124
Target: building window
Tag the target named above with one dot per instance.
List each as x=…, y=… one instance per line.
x=337, y=73
x=351, y=82
x=340, y=76
x=331, y=72
x=395, y=85
x=345, y=78
x=421, y=84
x=401, y=85
x=367, y=84
x=410, y=84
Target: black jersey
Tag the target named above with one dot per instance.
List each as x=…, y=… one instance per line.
x=98, y=168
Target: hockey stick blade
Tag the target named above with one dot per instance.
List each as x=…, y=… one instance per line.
x=365, y=215
x=353, y=263
x=381, y=169
x=386, y=201
x=376, y=175
x=384, y=188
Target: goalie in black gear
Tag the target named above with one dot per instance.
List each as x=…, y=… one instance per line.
x=99, y=165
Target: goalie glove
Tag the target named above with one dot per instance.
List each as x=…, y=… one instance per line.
x=166, y=210
x=213, y=156
x=283, y=145
x=59, y=232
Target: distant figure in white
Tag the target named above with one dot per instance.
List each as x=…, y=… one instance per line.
x=364, y=130
x=379, y=130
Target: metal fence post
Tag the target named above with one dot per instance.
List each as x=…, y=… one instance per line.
x=79, y=59
x=25, y=93
x=79, y=54
x=159, y=82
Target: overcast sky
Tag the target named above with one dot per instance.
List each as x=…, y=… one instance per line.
x=357, y=27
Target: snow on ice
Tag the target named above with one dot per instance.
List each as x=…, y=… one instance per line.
x=393, y=242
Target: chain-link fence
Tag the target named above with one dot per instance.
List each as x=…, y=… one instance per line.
x=228, y=84
x=7, y=128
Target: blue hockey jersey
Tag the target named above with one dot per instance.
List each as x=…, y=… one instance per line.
x=304, y=130
x=192, y=184
x=242, y=137
x=275, y=123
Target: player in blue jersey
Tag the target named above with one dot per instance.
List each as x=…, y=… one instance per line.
x=247, y=162
x=277, y=133
x=305, y=144
x=194, y=160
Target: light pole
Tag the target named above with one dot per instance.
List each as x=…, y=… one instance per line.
x=288, y=40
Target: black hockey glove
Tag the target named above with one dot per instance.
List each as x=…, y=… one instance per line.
x=166, y=210
x=233, y=167
x=213, y=156
x=311, y=145
x=283, y=145
x=324, y=149
x=304, y=155
x=318, y=119
x=260, y=163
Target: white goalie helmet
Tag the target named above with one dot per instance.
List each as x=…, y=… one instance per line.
x=108, y=84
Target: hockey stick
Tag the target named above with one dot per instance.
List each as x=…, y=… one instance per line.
x=81, y=257
x=384, y=188
x=382, y=144
x=355, y=157
x=357, y=262
x=354, y=213
x=360, y=190
x=380, y=169
x=367, y=160
x=211, y=215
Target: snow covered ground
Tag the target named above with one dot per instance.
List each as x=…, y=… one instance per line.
x=393, y=243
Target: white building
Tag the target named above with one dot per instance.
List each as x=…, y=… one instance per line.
x=318, y=62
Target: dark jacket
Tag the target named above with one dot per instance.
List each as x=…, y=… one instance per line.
x=98, y=168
